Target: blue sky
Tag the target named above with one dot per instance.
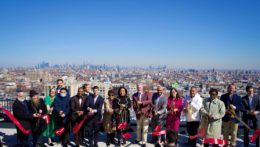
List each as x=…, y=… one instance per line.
x=222, y=34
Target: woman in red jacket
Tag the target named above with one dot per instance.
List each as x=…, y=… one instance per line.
x=174, y=107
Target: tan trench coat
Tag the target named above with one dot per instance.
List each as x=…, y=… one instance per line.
x=212, y=126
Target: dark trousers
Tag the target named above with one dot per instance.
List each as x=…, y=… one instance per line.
x=119, y=136
x=64, y=137
x=93, y=128
x=214, y=145
x=110, y=138
x=246, y=131
x=192, y=129
x=157, y=121
x=22, y=138
x=79, y=137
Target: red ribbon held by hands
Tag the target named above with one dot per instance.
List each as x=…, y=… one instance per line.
x=77, y=127
x=15, y=121
x=46, y=118
x=122, y=125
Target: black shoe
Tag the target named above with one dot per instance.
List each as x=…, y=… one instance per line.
x=51, y=144
x=152, y=141
x=137, y=142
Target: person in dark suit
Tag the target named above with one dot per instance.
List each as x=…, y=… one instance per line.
x=87, y=90
x=22, y=114
x=256, y=112
x=93, y=107
x=37, y=108
x=61, y=107
x=248, y=117
x=60, y=85
x=76, y=104
x=233, y=102
x=87, y=94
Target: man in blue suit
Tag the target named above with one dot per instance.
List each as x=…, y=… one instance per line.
x=93, y=107
x=233, y=102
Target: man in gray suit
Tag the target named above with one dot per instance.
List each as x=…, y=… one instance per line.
x=159, y=105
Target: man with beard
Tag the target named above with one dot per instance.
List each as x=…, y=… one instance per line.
x=59, y=85
x=37, y=108
x=22, y=114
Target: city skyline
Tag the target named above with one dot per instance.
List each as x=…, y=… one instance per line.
x=192, y=34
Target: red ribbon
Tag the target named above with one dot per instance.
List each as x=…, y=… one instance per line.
x=122, y=125
x=46, y=118
x=255, y=135
x=77, y=127
x=163, y=132
x=214, y=141
x=201, y=133
x=59, y=131
x=15, y=121
x=157, y=128
x=127, y=136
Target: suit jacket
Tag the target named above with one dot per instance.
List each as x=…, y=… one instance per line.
x=144, y=108
x=236, y=101
x=22, y=114
x=162, y=105
x=76, y=106
x=246, y=107
x=98, y=105
x=256, y=105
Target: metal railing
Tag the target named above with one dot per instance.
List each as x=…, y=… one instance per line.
x=6, y=104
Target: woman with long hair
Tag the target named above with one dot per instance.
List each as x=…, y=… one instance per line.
x=49, y=131
x=174, y=107
x=107, y=117
x=121, y=106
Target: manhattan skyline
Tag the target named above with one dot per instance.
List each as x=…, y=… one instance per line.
x=180, y=34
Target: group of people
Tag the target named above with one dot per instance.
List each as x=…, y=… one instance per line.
x=113, y=114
